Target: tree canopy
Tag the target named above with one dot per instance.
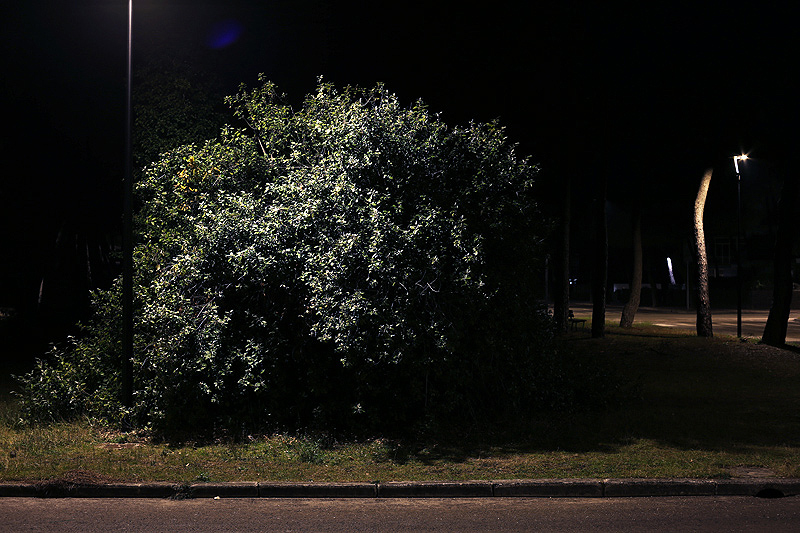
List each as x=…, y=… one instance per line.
x=175, y=103
x=350, y=264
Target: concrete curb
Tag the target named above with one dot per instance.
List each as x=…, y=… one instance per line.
x=659, y=487
x=551, y=488
x=765, y=487
x=435, y=489
x=541, y=488
x=317, y=490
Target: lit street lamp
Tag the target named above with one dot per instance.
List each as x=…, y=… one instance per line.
x=736, y=160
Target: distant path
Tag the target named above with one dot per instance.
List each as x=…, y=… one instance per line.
x=724, y=320
x=702, y=513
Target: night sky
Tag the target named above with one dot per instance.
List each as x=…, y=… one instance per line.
x=647, y=97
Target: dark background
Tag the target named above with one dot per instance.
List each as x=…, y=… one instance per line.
x=646, y=97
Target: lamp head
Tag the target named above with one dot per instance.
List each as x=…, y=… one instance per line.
x=736, y=160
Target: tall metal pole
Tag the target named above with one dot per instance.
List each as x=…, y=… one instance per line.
x=738, y=255
x=738, y=244
x=127, y=239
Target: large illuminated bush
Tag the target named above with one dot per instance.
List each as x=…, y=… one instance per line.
x=351, y=265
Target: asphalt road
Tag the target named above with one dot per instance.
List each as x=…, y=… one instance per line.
x=723, y=320
x=408, y=514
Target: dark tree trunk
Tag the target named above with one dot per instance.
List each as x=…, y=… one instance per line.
x=561, y=293
x=778, y=320
x=704, y=328
x=629, y=311
x=78, y=263
x=600, y=266
x=651, y=280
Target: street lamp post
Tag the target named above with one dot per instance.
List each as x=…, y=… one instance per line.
x=127, y=239
x=736, y=160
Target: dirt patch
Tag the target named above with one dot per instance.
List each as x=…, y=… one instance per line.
x=119, y=445
x=67, y=482
x=83, y=477
x=783, y=360
x=752, y=472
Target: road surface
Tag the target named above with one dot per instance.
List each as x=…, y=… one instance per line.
x=724, y=320
x=704, y=513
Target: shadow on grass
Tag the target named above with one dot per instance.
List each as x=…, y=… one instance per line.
x=690, y=393
x=695, y=394
x=792, y=348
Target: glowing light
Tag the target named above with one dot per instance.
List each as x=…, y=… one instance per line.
x=736, y=160
x=224, y=34
x=671, y=273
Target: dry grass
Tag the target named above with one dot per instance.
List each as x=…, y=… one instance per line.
x=705, y=408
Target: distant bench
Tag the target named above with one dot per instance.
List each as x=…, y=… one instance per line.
x=575, y=321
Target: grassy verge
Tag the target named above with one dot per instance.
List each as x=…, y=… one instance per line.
x=706, y=408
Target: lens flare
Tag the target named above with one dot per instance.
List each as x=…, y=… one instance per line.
x=224, y=34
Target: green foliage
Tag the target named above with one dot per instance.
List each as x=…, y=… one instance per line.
x=81, y=377
x=353, y=265
x=174, y=103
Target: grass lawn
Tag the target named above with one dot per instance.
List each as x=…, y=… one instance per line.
x=706, y=408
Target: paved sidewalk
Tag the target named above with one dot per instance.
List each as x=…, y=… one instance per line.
x=545, y=488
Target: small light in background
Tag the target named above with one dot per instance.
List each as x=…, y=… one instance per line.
x=671, y=273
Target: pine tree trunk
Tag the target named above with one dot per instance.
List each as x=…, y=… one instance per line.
x=561, y=293
x=704, y=327
x=629, y=311
x=600, y=267
x=778, y=320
